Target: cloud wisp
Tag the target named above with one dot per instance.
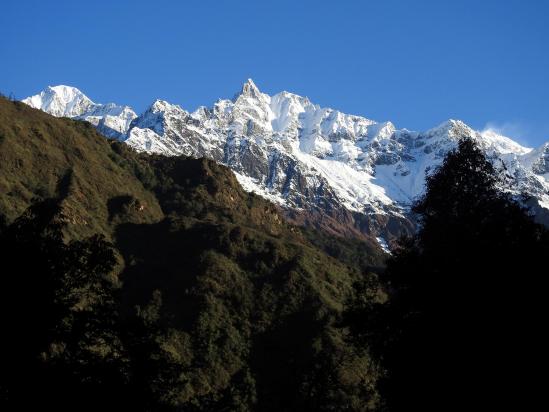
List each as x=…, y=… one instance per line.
x=518, y=131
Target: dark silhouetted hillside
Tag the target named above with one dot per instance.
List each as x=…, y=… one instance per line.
x=199, y=296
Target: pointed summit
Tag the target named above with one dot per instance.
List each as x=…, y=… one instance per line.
x=160, y=105
x=249, y=89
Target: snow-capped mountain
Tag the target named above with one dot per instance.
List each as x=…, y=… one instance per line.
x=65, y=101
x=305, y=157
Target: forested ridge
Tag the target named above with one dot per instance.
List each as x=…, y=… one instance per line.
x=161, y=284
x=156, y=283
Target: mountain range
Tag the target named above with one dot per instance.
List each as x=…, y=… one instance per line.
x=345, y=173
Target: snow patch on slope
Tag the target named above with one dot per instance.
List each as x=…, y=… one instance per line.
x=383, y=244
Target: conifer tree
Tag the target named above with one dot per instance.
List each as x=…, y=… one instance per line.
x=464, y=317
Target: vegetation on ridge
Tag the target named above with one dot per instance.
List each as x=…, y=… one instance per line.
x=151, y=283
x=199, y=296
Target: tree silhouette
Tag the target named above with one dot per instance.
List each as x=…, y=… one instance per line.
x=58, y=316
x=66, y=345
x=465, y=309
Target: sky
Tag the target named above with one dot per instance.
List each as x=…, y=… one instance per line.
x=415, y=63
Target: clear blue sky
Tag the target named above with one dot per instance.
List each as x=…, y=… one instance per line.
x=415, y=63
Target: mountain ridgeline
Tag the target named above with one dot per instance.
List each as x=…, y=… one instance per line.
x=138, y=281
x=344, y=173
x=161, y=285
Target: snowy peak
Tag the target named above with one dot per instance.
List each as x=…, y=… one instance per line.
x=450, y=129
x=249, y=89
x=158, y=116
x=301, y=155
x=503, y=144
x=60, y=101
x=163, y=106
x=66, y=101
x=286, y=108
